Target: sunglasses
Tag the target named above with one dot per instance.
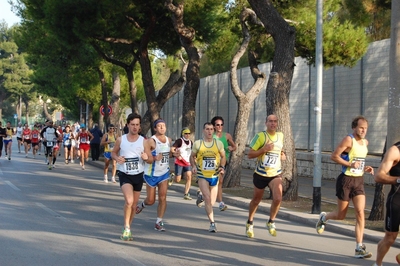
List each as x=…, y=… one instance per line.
x=219, y=125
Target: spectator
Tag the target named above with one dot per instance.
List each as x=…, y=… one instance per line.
x=95, y=142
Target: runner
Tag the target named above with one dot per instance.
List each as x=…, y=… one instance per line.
x=67, y=143
x=26, y=136
x=35, y=140
x=208, y=161
x=131, y=151
x=50, y=137
x=108, y=141
x=8, y=140
x=19, y=136
x=182, y=149
x=229, y=146
x=2, y=135
x=156, y=174
x=84, y=138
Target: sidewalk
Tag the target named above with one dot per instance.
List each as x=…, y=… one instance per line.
x=305, y=190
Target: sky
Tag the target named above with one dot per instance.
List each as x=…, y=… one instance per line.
x=6, y=13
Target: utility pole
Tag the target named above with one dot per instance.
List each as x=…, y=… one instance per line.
x=316, y=207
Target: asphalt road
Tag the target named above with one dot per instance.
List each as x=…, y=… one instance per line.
x=69, y=216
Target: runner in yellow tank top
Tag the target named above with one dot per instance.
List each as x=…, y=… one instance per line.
x=108, y=141
x=267, y=147
x=207, y=160
x=350, y=154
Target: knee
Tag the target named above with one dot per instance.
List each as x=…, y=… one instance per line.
x=178, y=178
x=277, y=200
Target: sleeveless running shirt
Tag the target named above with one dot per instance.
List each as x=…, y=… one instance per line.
x=224, y=141
x=268, y=164
x=207, y=158
x=159, y=168
x=358, y=152
x=109, y=146
x=131, y=151
x=185, y=151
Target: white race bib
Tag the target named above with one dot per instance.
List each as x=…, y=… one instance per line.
x=270, y=160
x=131, y=166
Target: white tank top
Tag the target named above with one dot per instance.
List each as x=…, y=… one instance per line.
x=159, y=168
x=131, y=151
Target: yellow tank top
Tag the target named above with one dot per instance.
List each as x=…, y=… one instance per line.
x=9, y=133
x=110, y=146
x=208, y=159
x=268, y=164
x=358, y=152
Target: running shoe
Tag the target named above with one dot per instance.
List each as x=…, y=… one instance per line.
x=213, y=228
x=83, y=167
x=113, y=179
x=49, y=166
x=9, y=158
x=187, y=196
x=139, y=208
x=105, y=179
x=362, y=252
x=320, y=226
x=159, y=226
x=54, y=166
x=271, y=229
x=126, y=235
x=249, y=230
x=222, y=206
x=171, y=179
x=66, y=161
x=199, y=201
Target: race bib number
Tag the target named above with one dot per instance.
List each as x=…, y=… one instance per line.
x=111, y=145
x=165, y=158
x=50, y=144
x=360, y=169
x=67, y=142
x=26, y=136
x=270, y=160
x=83, y=140
x=131, y=166
x=209, y=163
x=35, y=136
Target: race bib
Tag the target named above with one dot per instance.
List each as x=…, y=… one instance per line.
x=26, y=136
x=165, y=158
x=67, y=142
x=83, y=140
x=50, y=144
x=111, y=145
x=131, y=166
x=270, y=160
x=359, y=170
x=209, y=163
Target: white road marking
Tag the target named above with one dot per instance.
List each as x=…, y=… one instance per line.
x=55, y=214
x=12, y=185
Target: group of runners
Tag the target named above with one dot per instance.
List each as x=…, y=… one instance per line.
x=137, y=160
x=52, y=140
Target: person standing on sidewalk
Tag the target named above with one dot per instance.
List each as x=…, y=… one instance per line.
x=108, y=141
x=131, y=152
x=208, y=162
x=156, y=174
x=182, y=148
x=267, y=147
x=95, y=142
x=351, y=153
x=229, y=146
x=389, y=173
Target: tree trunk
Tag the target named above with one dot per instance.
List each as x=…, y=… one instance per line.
x=245, y=101
x=46, y=113
x=104, y=98
x=192, y=73
x=279, y=84
x=115, y=99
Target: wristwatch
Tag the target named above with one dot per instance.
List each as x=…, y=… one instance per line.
x=398, y=180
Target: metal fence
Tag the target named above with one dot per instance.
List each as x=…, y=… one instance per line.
x=347, y=92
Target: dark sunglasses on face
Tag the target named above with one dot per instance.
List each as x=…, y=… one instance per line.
x=219, y=125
